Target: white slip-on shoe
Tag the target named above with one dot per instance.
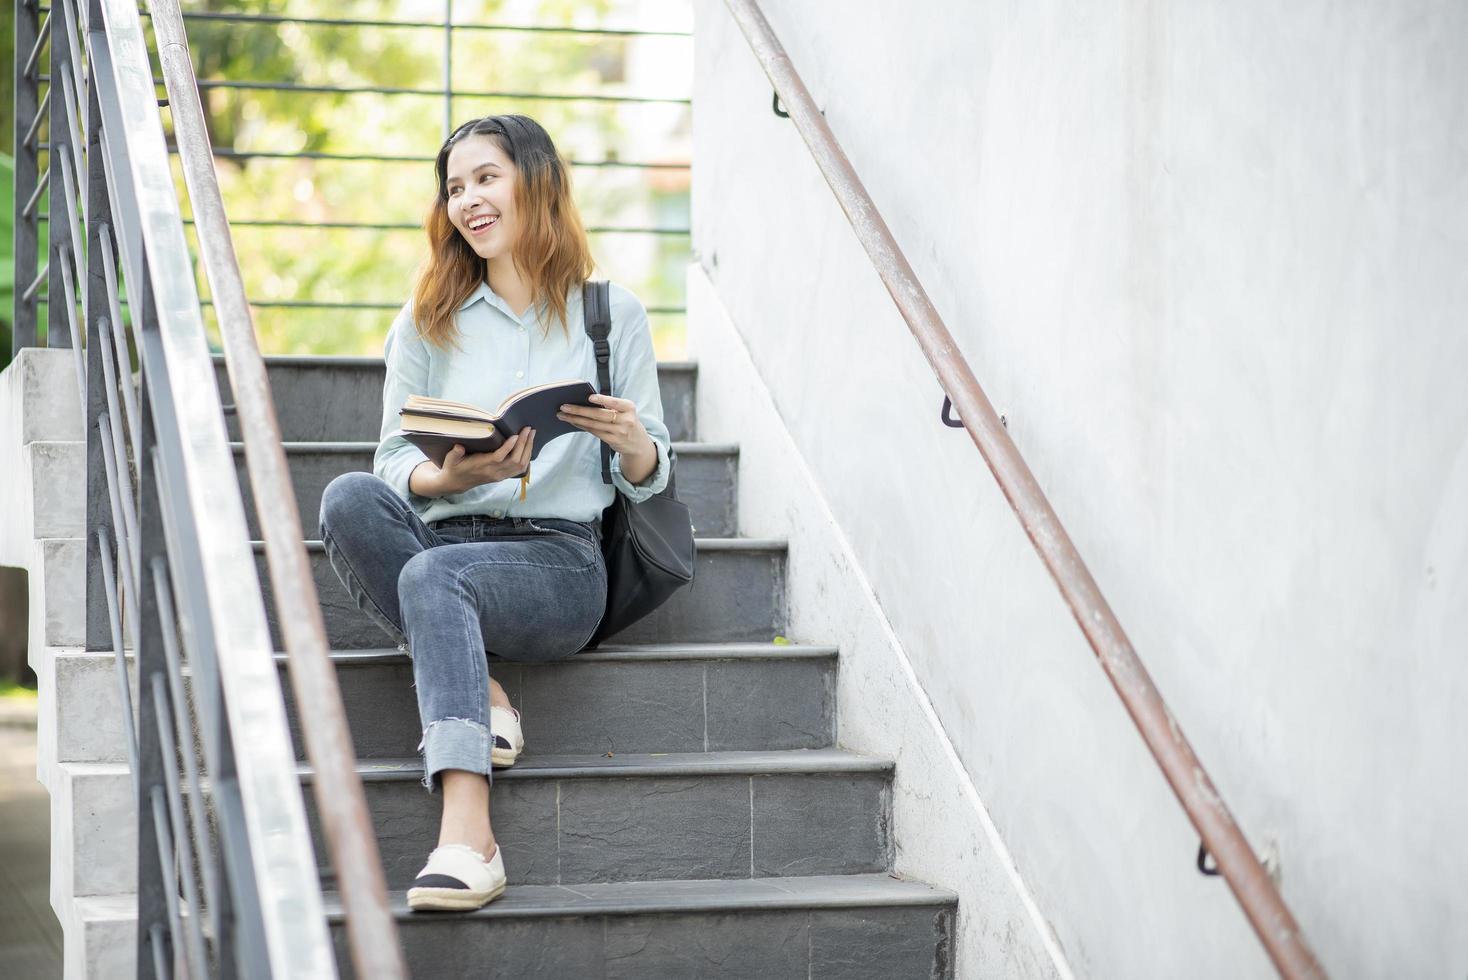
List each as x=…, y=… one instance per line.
x=508, y=741
x=457, y=879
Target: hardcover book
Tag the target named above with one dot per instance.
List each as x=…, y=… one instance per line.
x=436, y=425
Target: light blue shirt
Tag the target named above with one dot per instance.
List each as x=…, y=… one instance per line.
x=499, y=353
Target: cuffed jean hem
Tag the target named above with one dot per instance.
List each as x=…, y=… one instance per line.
x=455, y=743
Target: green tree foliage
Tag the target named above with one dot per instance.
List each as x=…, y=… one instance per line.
x=7, y=83
x=322, y=264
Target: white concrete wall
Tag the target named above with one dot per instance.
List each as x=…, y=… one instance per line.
x=1211, y=260
x=943, y=833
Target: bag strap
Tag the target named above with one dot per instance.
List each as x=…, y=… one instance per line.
x=596, y=313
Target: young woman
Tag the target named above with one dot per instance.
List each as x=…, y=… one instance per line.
x=475, y=556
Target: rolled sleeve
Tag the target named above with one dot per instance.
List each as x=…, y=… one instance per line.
x=656, y=481
x=635, y=378
x=406, y=358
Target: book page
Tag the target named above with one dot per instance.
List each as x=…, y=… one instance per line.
x=426, y=404
x=500, y=411
x=467, y=428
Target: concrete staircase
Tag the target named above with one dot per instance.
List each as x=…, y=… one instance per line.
x=683, y=809
x=80, y=743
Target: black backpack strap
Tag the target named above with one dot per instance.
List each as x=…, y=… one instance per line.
x=596, y=312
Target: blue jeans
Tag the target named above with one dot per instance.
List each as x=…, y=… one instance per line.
x=527, y=589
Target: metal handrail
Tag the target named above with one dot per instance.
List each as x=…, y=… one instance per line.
x=193, y=501
x=31, y=297
x=231, y=154
x=167, y=547
x=1246, y=876
x=418, y=226
x=340, y=798
x=189, y=529
x=409, y=158
x=413, y=226
x=185, y=525
x=436, y=25
x=437, y=93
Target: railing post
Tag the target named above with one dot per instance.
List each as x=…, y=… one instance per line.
x=58, y=330
x=27, y=173
x=155, y=943
x=241, y=946
x=99, y=512
x=448, y=67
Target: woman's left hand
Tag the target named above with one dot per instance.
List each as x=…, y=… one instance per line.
x=614, y=421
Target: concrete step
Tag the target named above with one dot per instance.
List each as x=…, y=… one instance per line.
x=621, y=698
x=57, y=472
x=94, y=838
x=337, y=399
x=713, y=697
x=737, y=595
x=100, y=936
x=707, y=480
x=80, y=717
x=586, y=818
x=58, y=589
x=843, y=927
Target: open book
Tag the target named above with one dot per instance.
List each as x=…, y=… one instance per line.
x=436, y=425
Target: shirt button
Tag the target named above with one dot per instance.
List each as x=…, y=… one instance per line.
x=519, y=374
x=522, y=329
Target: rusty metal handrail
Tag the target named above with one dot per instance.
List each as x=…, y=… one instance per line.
x=1261, y=901
x=340, y=798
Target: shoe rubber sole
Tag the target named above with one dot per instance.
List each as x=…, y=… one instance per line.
x=450, y=899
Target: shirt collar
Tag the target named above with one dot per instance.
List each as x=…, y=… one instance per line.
x=484, y=292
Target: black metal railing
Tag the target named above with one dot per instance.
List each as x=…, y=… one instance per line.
x=228, y=883
x=168, y=556
x=446, y=93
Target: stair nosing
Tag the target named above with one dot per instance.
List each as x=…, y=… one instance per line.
x=726, y=894
x=686, y=447
x=312, y=360
x=660, y=897
x=827, y=761
x=699, y=544
x=781, y=762
x=362, y=360
x=619, y=653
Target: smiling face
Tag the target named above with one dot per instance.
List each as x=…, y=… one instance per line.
x=481, y=195
x=502, y=213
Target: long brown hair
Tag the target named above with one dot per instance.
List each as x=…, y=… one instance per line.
x=550, y=251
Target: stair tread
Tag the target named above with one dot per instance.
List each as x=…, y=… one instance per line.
x=647, y=764
x=349, y=360
x=719, y=895
x=622, y=653
x=686, y=447
x=699, y=544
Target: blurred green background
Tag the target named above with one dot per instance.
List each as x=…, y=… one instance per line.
x=322, y=264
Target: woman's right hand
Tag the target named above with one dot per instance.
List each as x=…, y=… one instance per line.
x=462, y=471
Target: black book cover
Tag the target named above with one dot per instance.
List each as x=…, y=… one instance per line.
x=536, y=410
